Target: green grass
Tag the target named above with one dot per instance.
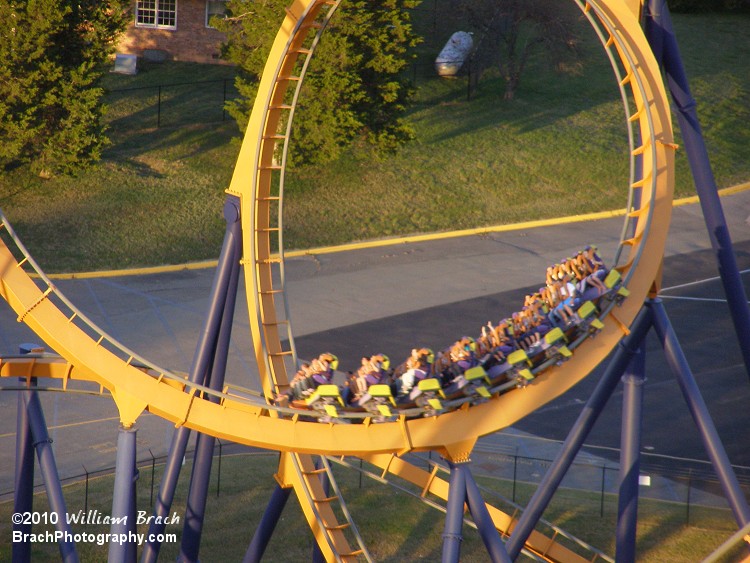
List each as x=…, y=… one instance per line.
x=558, y=149
x=394, y=525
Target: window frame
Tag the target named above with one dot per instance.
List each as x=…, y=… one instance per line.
x=158, y=14
x=208, y=17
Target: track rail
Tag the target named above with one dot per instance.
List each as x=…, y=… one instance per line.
x=247, y=417
x=92, y=355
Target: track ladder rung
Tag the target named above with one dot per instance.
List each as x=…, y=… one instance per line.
x=44, y=296
x=281, y=354
x=637, y=212
x=312, y=25
x=636, y=116
x=291, y=14
x=276, y=323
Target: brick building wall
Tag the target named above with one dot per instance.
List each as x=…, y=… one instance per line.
x=192, y=41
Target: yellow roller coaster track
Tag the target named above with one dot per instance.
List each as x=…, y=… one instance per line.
x=91, y=354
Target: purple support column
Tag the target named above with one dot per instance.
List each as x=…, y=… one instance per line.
x=23, y=493
x=267, y=525
x=204, y=448
x=123, y=515
x=572, y=445
x=317, y=553
x=699, y=411
x=454, y=515
x=660, y=34
x=167, y=488
x=630, y=446
x=478, y=509
x=204, y=355
x=133, y=546
x=48, y=467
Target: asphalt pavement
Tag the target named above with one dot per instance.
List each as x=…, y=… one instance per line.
x=393, y=297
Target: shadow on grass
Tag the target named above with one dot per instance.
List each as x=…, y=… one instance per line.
x=190, y=140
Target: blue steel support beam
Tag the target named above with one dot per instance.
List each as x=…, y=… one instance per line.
x=48, y=468
x=630, y=446
x=132, y=553
x=317, y=553
x=167, y=488
x=196, y=502
x=454, y=515
x=204, y=448
x=267, y=525
x=660, y=34
x=487, y=531
x=123, y=513
x=572, y=445
x=204, y=355
x=23, y=492
x=699, y=411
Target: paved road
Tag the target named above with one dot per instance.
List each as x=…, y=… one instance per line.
x=394, y=297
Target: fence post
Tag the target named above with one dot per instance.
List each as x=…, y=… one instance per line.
x=218, y=470
x=224, y=102
x=687, y=504
x=158, y=108
x=434, y=16
x=153, y=469
x=515, y=472
x=604, y=480
x=86, y=491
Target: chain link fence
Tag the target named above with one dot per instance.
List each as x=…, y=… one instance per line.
x=170, y=105
x=686, y=487
x=204, y=101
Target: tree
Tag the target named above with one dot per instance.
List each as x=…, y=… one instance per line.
x=51, y=56
x=354, y=87
x=703, y=6
x=510, y=31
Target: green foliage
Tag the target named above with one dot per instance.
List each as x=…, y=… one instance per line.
x=558, y=149
x=395, y=525
x=51, y=56
x=355, y=85
x=509, y=32
x=699, y=6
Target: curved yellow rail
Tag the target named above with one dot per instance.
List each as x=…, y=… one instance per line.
x=251, y=421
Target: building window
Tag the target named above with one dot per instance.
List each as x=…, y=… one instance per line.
x=215, y=8
x=156, y=13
